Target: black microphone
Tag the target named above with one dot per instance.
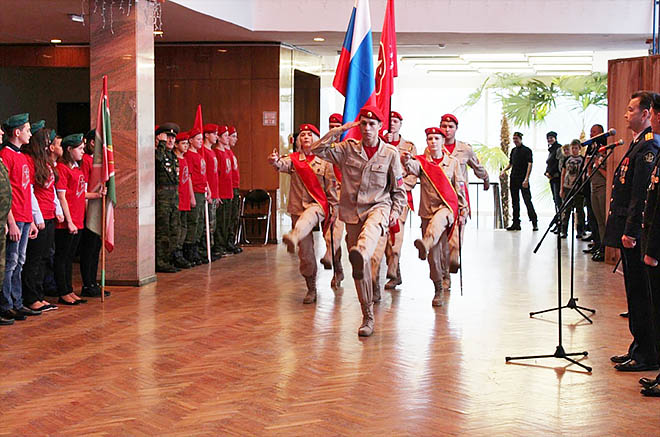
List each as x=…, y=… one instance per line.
x=600, y=137
x=610, y=146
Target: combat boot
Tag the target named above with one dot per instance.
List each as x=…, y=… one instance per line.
x=437, y=298
x=326, y=260
x=339, y=271
x=446, y=283
x=179, y=261
x=393, y=282
x=291, y=241
x=376, y=291
x=201, y=254
x=165, y=267
x=367, y=327
x=356, y=257
x=310, y=297
x=422, y=245
x=195, y=255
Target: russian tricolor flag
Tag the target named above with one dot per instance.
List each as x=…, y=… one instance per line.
x=354, y=78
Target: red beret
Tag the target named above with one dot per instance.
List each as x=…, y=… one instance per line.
x=336, y=118
x=193, y=132
x=395, y=114
x=309, y=127
x=183, y=136
x=449, y=117
x=231, y=130
x=371, y=112
x=210, y=128
x=156, y=128
x=436, y=130
x=222, y=129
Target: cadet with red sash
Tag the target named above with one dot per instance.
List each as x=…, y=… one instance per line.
x=442, y=202
x=312, y=198
x=372, y=199
x=466, y=157
x=394, y=243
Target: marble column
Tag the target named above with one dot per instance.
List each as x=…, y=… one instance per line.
x=124, y=51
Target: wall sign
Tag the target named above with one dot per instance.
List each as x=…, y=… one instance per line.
x=270, y=118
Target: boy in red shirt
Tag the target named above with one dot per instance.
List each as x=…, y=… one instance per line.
x=236, y=199
x=186, y=200
x=196, y=229
x=20, y=219
x=211, y=132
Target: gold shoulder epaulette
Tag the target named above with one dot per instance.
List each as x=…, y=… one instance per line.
x=649, y=136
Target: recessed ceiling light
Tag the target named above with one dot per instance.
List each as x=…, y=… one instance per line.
x=319, y=39
x=222, y=50
x=77, y=18
x=158, y=32
x=55, y=41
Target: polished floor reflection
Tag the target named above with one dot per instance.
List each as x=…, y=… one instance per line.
x=229, y=349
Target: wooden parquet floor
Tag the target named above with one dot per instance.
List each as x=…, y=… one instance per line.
x=229, y=350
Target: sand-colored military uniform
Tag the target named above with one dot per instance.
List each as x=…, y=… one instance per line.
x=393, y=250
x=372, y=190
x=306, y=214
x=465, y=155
x=437, y=217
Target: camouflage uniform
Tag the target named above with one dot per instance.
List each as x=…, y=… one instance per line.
x=167, y=207
x=5, y=206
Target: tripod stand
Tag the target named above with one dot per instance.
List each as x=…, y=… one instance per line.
x=560, y=352
x=572, y=301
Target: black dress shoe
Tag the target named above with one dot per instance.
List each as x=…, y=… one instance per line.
x=13, y=315
x=64, y=302
x=620, y=358
x=6, y=322
x=513, y=228
x=535, y=226
x=599, y=256
x=634, y=366
x=648, y=382
x=653, y=391
x=27, y=311
x=624, y=315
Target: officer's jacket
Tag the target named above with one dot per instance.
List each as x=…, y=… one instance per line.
x=367, y=184
x=407, y=146
x=430, y=200
x=299, y=197
x=651, y=217
x=167, y=167
x=631, y=180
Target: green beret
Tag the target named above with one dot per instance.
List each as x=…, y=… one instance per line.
x=36, y=126
x=172, y=129
x=17, y=120
x=53, y=134
x=72, y=140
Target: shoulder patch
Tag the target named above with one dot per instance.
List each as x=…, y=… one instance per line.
x=649, y=157
x=648, y=136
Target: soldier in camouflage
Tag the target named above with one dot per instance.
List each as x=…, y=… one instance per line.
x=167, y=197
x=5, y=206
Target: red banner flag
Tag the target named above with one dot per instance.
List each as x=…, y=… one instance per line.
x=199, y=124
x=387, y=68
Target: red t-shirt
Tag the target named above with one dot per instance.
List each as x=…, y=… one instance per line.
x=184, y=190
x=235, y=174
x=197, y=166
x=19, y=176
x=72, y=181
x=224, y=175
x=211, y=171
x=450, y=147
x=86, y=165
x=370, y=151
x=45, y=194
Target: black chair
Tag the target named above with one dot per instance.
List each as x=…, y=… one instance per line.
x=255, y=201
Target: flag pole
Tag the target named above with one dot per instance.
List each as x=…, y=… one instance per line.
x=103, y=248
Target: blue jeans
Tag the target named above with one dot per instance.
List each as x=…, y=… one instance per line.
x=12, y=288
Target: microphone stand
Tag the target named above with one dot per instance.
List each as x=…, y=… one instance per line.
x=560, y=352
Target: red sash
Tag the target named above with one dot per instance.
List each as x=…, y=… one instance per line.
x=311, y=182
x=442, y=186
x=337, y=173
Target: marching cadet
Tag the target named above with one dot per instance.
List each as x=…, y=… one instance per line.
x=167, y=197
x=337, y=228
x=372, y=198
x=394, y=243
x=196, y=227
x=466, y=157
x=236, y=193
x=651, y=244
x=442, y=202
x=312, y=200
x=186, y=201
x=211, y=133
x=225, y=189
x=624, y=229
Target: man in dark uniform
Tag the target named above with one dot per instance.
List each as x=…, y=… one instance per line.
x=167, y=196
x=651, y=244
x=520, y=164
x=552, y=167
x=624, y=230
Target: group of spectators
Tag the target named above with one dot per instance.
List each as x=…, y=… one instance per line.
x=43, y=193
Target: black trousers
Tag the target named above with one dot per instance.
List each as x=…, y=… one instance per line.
x=516, y=189
x=90, y=247
x=65, y=250
x=653, y=274
x=592, y=222
x=555, y=188
x=640, y=313
x=37, y=255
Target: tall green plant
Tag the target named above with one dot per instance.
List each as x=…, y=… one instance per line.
x=584, y=91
